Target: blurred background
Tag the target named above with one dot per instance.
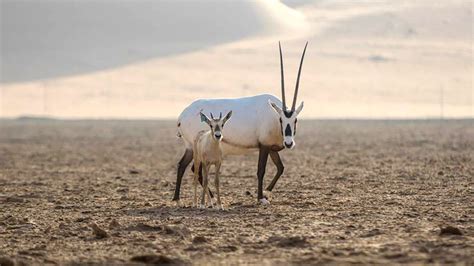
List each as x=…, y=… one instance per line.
x=150, y=59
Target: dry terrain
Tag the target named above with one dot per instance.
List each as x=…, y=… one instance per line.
x=100, y=192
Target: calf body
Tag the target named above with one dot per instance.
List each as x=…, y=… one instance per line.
x=207, y=152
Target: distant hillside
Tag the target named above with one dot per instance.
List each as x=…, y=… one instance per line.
x=46, y=39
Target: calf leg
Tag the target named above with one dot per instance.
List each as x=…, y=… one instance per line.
x=200, y=178
x=280, y=167
x=219, y=204
x=183, y=163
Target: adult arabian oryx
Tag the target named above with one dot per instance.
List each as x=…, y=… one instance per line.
x=260, y=122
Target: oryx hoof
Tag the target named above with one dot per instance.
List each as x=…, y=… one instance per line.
x=264, y=201
x=211, y=202
x=268, y=194
x=202, y=206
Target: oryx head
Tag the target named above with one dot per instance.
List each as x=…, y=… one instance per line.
x=288, y=116
x=216, y=124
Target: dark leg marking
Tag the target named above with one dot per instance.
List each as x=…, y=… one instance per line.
x=183, y=163
x=262, y=164
x=280, y=167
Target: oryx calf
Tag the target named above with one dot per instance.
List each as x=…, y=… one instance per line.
x=206, y=152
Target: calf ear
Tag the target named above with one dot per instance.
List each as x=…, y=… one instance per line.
x=204, y=118
x=227, y=117
x=275, y=107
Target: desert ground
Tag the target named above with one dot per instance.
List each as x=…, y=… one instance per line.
x=352, y=192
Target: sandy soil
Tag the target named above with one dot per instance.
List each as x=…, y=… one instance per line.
x=353, y=192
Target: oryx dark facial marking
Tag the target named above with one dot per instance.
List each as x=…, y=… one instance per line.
x=288, y=131
x=294, y=130
x=288, y=113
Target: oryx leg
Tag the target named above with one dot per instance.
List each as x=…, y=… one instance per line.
x=183, y=163
x=262, y=164
x=219, y=204
x=280, y=167
x=205, y=177
x=195, y=182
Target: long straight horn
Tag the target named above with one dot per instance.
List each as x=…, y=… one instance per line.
x=282, y=80
x=212, y=117
x=220, y=115
x=298, y=79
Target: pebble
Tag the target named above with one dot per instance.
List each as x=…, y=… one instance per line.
x=450, y=230
x=98, y=232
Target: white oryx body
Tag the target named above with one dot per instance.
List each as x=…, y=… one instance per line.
x=253, y=123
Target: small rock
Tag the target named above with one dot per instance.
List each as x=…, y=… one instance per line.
x=15, y=199
x=47, y=230
x=440, y=173
x=177, y=230
x=199, y=240
x=133, y=172
x=289, y=242
x=122, y=190
x=144, y=228
x=50, y=261
x=114, y=224
x=31, y=253
x=229, y=248
x=371, y=233
x=396, y=255
x=22, y=227
x=248, y=193
x=98, y=232
x=157, y=260
x=450, y=230
x=4, y=261
x=81, y=219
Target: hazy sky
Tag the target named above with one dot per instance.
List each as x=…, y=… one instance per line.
x=150, y=59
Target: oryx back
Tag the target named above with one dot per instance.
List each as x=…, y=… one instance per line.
x=253, y=122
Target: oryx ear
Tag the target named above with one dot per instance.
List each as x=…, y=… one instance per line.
x=299, y=108
x=275, y=107
x=204, y=118
x=227, y=117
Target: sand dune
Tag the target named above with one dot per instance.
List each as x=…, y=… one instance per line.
x=72, y=37
x=365, y=59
